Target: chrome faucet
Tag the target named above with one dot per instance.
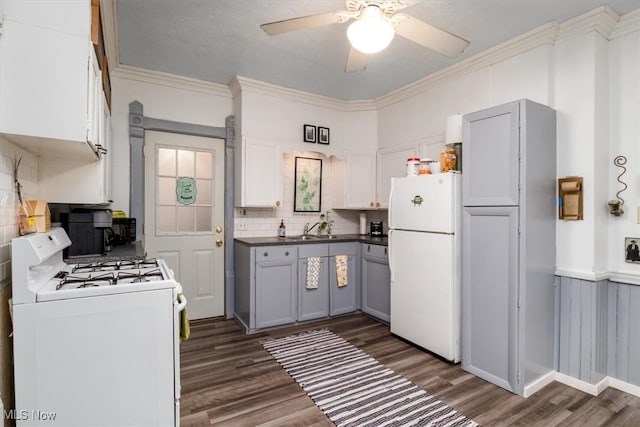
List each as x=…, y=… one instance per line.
x=307, y=229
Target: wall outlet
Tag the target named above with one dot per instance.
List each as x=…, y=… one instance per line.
x=242, y=226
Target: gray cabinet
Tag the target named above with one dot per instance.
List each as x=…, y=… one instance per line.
x=313, y=303
x=270, y=283
x=376, y=280
x=344, y=299
x=276, y=278
x=508, y=244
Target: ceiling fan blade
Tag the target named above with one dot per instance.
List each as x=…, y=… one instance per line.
x=303, y=22
x=357, y=61
x=429, y=36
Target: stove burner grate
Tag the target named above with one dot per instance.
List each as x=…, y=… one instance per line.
x=105, y=279
x=116, y=265
x=139, y=277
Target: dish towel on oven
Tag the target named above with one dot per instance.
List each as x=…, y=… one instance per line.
x=185, y=329
x=313, y=272
x=341, y=270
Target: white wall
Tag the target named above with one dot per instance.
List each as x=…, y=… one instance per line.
x=187, y=101
x=274, y=113
x=624, y=136
x=598, y=118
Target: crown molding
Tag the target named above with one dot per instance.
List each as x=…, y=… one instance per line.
x=545, y=34
x=110, y=31
x=245, y=84
x=602, y=20
x=170, y=80
x=628, y=23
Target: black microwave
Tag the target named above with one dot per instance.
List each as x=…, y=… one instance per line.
x=123, y=231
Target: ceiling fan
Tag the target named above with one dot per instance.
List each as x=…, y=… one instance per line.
x=376, y=22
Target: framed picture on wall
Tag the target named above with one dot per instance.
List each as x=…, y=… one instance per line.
x=323, y=135
x=307, y=190
x=631, y=251
x=309, y=133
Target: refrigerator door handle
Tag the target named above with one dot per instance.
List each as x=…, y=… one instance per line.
x=390, y=253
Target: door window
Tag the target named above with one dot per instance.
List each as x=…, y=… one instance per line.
x=185, y=191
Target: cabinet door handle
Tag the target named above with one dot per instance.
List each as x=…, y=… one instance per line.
x=371, y=204
x=286, y=253
x=377, y=204
x=266, y=253
x=277, y=202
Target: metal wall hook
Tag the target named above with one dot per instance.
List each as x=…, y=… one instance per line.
x=620, y=161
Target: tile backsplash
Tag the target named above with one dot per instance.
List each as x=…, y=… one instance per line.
x=28, y=176
x=264, y=222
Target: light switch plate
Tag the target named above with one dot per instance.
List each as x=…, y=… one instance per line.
x=638, y=221
x=242, y=226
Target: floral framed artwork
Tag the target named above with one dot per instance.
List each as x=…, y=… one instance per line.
x=307, y=193
x=323, y=135
x=309, y=133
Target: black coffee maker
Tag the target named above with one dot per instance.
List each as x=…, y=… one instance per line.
x=88, y=231
x=375, y=228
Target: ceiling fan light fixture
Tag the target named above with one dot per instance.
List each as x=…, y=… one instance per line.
x=372, y=32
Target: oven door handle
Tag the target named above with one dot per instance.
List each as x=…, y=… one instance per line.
x=181, y=303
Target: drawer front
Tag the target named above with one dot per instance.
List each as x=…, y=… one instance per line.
x=276, y=253
x=377, y=251
x=348, y=248
x=305, y=251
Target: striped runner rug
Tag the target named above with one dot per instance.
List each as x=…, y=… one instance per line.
x=352, y=388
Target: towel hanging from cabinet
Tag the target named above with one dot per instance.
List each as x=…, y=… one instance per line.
x=313, y=272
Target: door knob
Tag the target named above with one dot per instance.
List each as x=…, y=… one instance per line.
x=219, y=242
x=218, y=229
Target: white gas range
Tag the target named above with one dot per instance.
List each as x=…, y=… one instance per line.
x=94, y=344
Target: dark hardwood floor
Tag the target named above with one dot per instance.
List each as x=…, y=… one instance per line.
x=229, y=379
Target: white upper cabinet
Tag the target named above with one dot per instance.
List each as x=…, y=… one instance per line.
x=50, y=79
x=353, y=181
x=392, y=163
x=363, y=179
x=258, y=169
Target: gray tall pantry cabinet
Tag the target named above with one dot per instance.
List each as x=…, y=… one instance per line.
x=508, y=244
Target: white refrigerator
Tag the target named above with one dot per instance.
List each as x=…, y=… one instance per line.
x=424, y=258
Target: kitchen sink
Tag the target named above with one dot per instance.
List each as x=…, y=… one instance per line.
x=324, y=237
x=301, y=237
x=312, y=237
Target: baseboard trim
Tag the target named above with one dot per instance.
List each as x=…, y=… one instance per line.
x=624, y=386
x=540, y=383
x=600, y=386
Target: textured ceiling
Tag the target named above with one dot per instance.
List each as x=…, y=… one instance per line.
x=215, y=40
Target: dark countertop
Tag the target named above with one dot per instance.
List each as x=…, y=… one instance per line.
x=133, y=250
x=297, y=240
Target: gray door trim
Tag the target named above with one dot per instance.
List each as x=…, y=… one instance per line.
x=138, y=124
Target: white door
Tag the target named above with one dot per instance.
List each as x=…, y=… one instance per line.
x=184, y=215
